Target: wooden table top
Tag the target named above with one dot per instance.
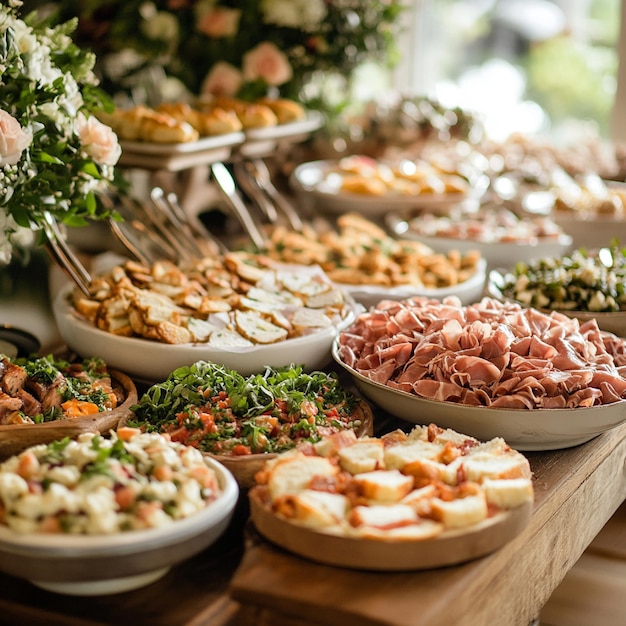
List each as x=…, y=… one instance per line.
x=244, y=581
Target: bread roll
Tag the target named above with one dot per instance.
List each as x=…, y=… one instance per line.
x=220, y=121
x=286, y=111
x=162, y=128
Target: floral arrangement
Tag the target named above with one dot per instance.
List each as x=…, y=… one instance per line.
x=236, y=48
x=55, y=155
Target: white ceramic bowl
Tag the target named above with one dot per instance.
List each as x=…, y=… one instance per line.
x=152, y=361
x=611, y=322
x=308, y=180
x=591, y=231
x=499, y=254
x=468, y=292
x=523, y=429
x=105, y=564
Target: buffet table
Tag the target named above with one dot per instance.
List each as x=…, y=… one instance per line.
x=244, y=581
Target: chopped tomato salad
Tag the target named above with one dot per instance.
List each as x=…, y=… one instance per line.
x=222, y=412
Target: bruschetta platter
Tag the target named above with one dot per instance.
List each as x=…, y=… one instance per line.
x=429, y=498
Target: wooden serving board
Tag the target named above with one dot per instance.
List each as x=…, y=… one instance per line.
x=576, y=491
x=450, y=548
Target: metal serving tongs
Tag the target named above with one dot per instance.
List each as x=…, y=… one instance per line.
x=260, y=173
x=228, y=189
x=246, y=178
x=191, y=232
x=255, y=178
x=136, y=234
x=60, y=251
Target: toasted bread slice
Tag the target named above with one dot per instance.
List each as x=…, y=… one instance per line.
x=316, y=509
x=293, y=473
x=462, y=512
x=383, y=516
x=384, y=485
x=508, y=493
x=397, y=456
x=364, y=455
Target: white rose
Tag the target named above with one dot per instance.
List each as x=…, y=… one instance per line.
x=98, y=140
x=306, y=15
x=162, y=26
x=13, y=139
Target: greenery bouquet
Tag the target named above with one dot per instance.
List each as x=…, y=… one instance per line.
x=55, y=155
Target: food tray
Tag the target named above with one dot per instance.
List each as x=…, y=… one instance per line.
x=452, y=547
x=179, y=156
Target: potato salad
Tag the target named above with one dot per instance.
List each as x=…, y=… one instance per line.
x=97, y=485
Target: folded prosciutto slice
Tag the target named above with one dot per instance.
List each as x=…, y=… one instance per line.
x=492, y=354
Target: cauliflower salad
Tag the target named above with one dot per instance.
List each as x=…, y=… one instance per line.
x=104, y=485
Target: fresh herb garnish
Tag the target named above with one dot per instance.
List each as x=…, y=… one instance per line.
x=220, y=411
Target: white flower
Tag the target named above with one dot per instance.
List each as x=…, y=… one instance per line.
x=7, y=228
x=162, y=26
x=224, y=79
x=13, y=139
x=302, y=14
x=98, y=140
x=46, y=128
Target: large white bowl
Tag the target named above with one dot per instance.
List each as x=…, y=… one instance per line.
x=593, y=231
x=609, y=321
x=468, y=292
x=523, y=429
x=105, y=564
x=498, y=254
x=152, y=361
x=309, y=182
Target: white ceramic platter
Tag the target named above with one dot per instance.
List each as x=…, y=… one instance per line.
x=312, y=183
x=152, y=361
x=262, y=142
x=591, y=231
x=522, y=429
x=179, y=156
x=497, y=253
x=292, y=130
x=468, y=292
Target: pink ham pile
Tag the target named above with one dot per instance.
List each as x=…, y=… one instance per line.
x=490, y=354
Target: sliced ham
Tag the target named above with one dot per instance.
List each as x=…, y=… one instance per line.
x=489, y=354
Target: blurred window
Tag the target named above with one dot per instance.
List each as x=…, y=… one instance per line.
x=531, y=66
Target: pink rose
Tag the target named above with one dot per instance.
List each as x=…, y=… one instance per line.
x=266, y=62
x=98, y=140
x=13, y=139
x=219, y=22
x=223, y=80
